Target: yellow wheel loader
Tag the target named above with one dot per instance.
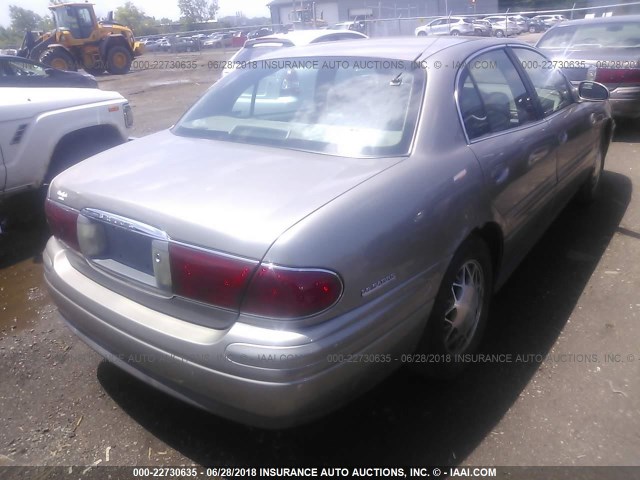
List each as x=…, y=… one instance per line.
x=81, y=41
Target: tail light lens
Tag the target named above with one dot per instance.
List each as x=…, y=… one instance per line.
x=208, y=277
x=617, y=75
x=63, y=222
x=224, y=281
x=290, y=293
x=271, y=291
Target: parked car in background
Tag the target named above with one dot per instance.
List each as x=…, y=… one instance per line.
x=238, y=39
x=298, y=217
x=447, y=26
x=260, y=46
x=537, y=25
x=550, y=20
x=152, y=46
x=355, y=25
x=184, y=44
x=218, y=40
x=482, y=28
x=164, y=44
x=21, y=72
x=521, y=21
x=605, y=50
x=502, y=27
x=260, y=32
x=44, y=130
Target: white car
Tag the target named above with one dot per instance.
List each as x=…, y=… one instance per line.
x=503, y=27
x=447, y=26
x=45, y=130
x=551, y=20
x=256, y=47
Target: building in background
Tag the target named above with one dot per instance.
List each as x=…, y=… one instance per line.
x=335, y=11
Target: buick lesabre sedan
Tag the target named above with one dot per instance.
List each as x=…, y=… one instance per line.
x=311, y=222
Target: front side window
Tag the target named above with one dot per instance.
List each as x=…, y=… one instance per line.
x=492, y=96
x=356, y=107
x=551, y=86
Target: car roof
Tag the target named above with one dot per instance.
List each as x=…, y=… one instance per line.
x=399, y=48
x=305, y=37
x=600, y=20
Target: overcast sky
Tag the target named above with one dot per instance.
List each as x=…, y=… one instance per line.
x=153, y=8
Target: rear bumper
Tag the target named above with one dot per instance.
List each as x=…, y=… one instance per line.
x=253, y=375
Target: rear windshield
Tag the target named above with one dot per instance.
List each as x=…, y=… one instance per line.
x=355, y=107
x=586, y=37
x=249, y=53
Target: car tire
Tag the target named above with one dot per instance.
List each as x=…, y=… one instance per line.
x=499, y=33
x=590, y=189
x=532, y=29
x=462, y=303
x=455, y=33
x=118, y=60
x=422, y=33
x=59, y=58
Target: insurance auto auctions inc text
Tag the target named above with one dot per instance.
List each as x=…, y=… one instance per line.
x=379, y=472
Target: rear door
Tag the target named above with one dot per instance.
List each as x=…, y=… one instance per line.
x=508, y=135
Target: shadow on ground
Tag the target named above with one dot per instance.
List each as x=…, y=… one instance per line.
x=23, y=229
x=408, y=420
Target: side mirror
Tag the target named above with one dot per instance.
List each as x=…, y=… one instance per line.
x=593, y=91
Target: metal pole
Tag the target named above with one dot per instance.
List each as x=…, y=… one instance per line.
x=574, y=6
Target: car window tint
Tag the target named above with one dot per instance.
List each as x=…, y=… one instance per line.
x=472, y=109
x=551, y=86
x=506, y=100
x=25, y=69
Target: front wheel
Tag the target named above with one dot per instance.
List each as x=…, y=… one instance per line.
x=499, y=33
x=460, y=310
x=58, y=58
x=119, y=60
x=532, y=29
x=422, y=33
x=455, y=33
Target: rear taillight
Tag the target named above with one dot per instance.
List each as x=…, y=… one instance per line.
x=63, y=222
x=290, y=293
x=209, y=277
x=617, y=75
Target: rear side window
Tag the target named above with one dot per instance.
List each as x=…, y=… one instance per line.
x=492, y=97
x=551, y=86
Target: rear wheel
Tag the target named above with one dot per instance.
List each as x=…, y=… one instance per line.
x=455, y=33
x=460, y=311
x=532, y=29
x=499, y=33
x=58, y=58
x=118, y=60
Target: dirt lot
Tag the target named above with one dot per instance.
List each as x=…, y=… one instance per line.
x=572, y=311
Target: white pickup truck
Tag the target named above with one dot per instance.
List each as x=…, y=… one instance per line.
x=45, y=130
